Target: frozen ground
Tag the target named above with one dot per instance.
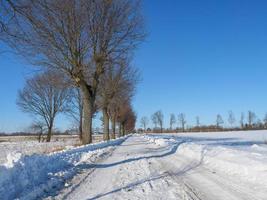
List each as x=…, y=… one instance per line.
x=205, y=166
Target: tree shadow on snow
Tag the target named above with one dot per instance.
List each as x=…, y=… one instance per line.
x=129, y=187
x=171, y=151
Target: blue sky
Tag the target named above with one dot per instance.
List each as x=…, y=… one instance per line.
x=200, y=58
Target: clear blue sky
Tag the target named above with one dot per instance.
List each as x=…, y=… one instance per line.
x=200, y=58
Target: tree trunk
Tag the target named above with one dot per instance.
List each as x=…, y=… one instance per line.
x=106, y=123
x=40, y=135
x=123, y=129
x=88, y=105
x=49, y=133
x=81, y=129
x=120, y=130
x=113, y=124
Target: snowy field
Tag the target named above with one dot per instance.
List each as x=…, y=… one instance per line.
x=207, y=166
x=12, y=147
x=17, y=146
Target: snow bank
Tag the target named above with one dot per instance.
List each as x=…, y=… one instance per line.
x=240, y=154
x=12, y=158
x=244, y=164
x=7, y=149
x=31, y=177
x=159, y=140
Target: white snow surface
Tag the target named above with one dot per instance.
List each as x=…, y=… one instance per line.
x=35, y=176
x=20, y=147
x=186, y=166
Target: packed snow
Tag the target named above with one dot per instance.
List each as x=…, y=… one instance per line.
x=207, y=166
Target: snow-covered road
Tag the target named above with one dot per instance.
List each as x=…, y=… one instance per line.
x=207, y=166
x=147, y=167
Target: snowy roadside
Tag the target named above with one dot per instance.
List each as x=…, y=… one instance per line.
x=19, y=148
x=241, y=155
x=181, y=166
x=245, y=165
x=34, y=176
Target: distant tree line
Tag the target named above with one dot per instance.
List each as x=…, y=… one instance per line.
x=178, y=123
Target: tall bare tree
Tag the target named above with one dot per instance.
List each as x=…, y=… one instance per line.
x=129, y=125
x=126, y=118
x=75, y=109
x=219, y=120
x=182, y=121
x=197, y=122
x=172, y=120
x=79, y=37
x=113, y=115
x=45, y=96
x=231, y=118
x=242, y=118
x=157, y=119
x=115, y=110
x=265, y=120
x=251, y=118
x=154, y=120
x=38, y=127
x=144, y=122
x=119, y=79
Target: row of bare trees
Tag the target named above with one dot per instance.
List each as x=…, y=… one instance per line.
x=90, y=44
x=157, y=119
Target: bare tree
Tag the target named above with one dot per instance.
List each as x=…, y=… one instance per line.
x=172, y=120
x=154, y=120
x=144, y=122
x=113, y=115
x=45, y=96
x=39, y=127
x=265, y=120
x=75, y=109
x=197, y=122
x=125, y=86
x=119, y=79
x=119, y=106
x=242, y=118
x=115, y=110
x=251, y=118
x=80, y=38
x=182, y=121
x=231, y=118
x=157, y=119
x=129, y=125
x=259, y=124
x=6, y=16
x=126, y=118
x=219, y=120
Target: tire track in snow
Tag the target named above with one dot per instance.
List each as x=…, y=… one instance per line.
x=212, y=184
x=81, y=176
